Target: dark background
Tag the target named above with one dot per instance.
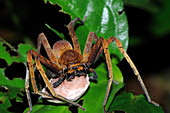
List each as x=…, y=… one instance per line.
x=21, y=22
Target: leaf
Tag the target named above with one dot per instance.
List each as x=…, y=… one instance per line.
x=22, y=50
x=106, y=18
x=94, y=97
x=4, y=54
x=134, y=104
x=43, y=108
x=5, y=104
x=59, y=34
x=15, y=85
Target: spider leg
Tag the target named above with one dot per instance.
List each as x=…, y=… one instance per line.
x=94, y=77
x=88, y=45
x=109, y=40
x=47, y=63
x=59, y=81
x=92, y=57
x=73, y=34
x=46, y=80
x=94, y=52
x=109, y=65
x=119, y=45
x=42, y=39
x=27, y=90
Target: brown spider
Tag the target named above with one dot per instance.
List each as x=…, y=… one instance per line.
x=71, y=68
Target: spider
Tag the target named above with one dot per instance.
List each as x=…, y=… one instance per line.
x=71, y=69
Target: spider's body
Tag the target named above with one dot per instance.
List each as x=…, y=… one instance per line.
x=68, y=59
x=71, y=68
x=65, y=53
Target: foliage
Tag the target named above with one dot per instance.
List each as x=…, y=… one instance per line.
x=15, y=85
x=133, y=104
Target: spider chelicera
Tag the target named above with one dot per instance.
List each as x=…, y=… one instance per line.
x=71, y=68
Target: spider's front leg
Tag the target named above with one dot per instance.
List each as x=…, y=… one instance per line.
x=73, y=34
x=43, y=40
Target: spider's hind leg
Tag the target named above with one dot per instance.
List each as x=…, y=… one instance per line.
x=110, y=70
x=119, y=45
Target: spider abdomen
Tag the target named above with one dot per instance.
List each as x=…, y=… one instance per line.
x=70, y=57
x=61, y=46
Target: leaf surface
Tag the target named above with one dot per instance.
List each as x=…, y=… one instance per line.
x=16, y=85
x=134, y=104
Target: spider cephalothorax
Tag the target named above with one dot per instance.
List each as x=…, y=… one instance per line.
x=72, y=68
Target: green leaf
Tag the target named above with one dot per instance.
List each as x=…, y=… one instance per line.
x=134, y=104
x=55, y=31
x=94, y=97
x=22, y=50
x=5, y=104
x=104, y=17
x=43, y=108
x=15, y=85
x=4, y=54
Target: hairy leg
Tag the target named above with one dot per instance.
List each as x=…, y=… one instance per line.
x=42, y=39
x=120, y=46
x=109, y=65
x=88, y=45
x=91, y=58
x=73, y=34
